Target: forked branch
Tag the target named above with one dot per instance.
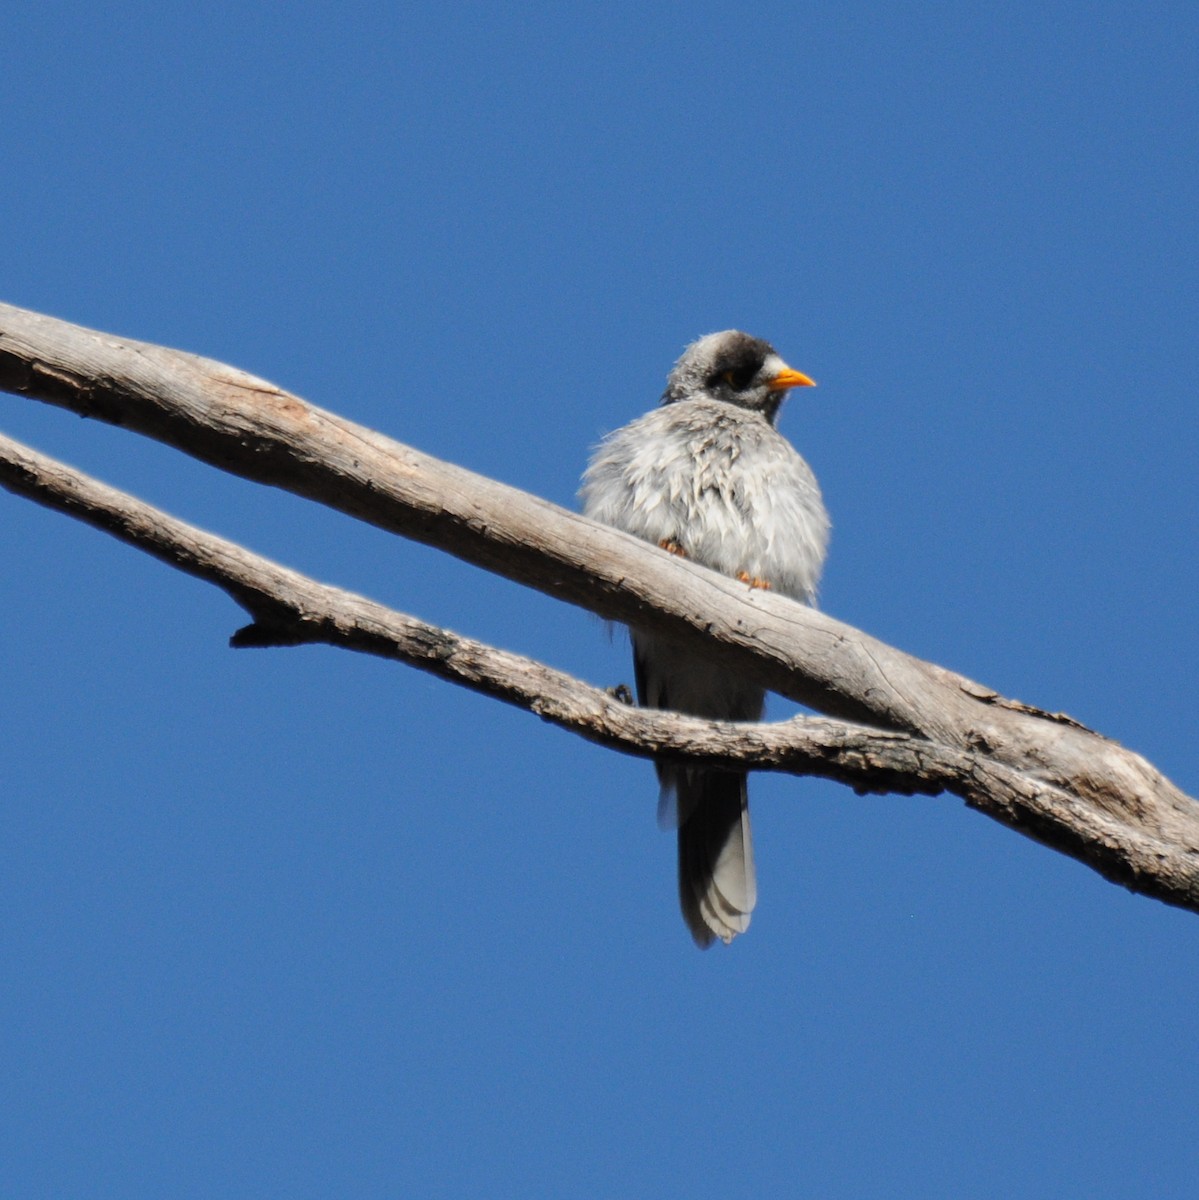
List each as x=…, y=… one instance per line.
x=916, y=727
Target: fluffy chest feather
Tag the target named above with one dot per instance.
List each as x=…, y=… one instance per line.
x=723, y=484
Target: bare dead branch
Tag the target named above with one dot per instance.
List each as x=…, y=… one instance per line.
x=1040, y=773
x=291, y=609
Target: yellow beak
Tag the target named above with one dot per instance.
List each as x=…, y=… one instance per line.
x=788, y=378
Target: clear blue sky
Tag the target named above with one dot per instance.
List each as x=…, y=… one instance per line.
x=297, y=923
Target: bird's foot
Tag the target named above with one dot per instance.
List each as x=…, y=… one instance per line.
x=672, y=547
x=754, y=581
x=621, y=693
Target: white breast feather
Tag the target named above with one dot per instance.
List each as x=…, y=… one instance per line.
x=722, y=483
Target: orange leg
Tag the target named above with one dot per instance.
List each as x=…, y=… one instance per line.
x=672, y=547
x=754, y=581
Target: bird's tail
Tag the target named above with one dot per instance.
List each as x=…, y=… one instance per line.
x=717, y=885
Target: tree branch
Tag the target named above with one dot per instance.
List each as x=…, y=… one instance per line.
x=290, y=609
x=1040, y=773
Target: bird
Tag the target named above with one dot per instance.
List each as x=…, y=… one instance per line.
x=707, y=476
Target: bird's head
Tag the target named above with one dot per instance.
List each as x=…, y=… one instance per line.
x=734, y=368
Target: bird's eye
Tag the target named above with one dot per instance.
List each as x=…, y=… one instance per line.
x=738, y=378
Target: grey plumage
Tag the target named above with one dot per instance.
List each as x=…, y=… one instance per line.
x=707, y=475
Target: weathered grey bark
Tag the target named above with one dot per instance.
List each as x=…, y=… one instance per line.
x=289, y=609
x=1041, y=773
